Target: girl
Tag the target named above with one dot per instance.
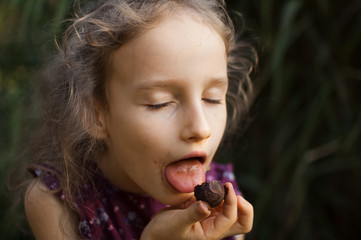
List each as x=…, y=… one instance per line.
x=137, y=108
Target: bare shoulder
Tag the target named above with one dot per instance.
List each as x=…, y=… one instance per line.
x=45, y=214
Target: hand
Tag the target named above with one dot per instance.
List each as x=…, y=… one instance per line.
x=198, y=221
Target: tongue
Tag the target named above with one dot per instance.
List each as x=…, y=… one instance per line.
x=184, y=175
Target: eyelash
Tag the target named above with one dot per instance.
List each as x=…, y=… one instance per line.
x=158, y=106
x=163, y=105
x=213, y=101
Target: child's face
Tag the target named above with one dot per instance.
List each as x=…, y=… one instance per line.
x=166, y=100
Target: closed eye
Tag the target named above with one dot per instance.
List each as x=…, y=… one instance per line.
x=212, y=101
x=157, y=106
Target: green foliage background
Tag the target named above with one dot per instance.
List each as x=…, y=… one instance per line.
x=298, y=162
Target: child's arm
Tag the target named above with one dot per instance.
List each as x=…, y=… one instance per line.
x=45, y=214
x=198, y=222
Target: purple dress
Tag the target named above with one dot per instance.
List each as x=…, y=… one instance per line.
x=110, y=213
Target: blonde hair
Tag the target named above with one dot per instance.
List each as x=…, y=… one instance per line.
x=77, y=79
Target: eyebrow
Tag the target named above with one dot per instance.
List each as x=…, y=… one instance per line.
x=169, y=82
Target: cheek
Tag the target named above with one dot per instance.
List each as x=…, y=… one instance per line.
x=136, y=135
x=220, y=126
x=218, y=120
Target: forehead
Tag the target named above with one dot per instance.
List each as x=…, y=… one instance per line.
x=175, y=40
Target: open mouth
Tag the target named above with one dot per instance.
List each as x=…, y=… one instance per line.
x=199, y=159
x=199, y=156
x=184, y=174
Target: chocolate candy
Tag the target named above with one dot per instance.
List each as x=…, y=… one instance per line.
x=212, y=192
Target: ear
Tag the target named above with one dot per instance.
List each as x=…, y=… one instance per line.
x=99, y=127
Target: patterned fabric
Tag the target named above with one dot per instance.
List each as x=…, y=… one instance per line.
x=110, y=213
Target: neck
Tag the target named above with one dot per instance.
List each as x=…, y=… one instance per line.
x=117, y=177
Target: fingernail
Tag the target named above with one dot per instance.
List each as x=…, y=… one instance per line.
x=206, y=205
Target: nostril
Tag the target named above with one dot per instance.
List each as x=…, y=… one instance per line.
x=199, y=138
x=199, y=133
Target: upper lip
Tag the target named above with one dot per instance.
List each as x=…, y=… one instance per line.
x=202, y=156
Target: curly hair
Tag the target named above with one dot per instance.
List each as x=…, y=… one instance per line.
x=78, y=75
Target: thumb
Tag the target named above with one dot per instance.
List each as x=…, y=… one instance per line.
x=194, y=213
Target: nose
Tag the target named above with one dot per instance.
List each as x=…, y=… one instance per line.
x=195, y=124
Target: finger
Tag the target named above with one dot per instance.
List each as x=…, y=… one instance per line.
x=189, y=202
x=229, y=213
x=194, y=213
x=245, y=214
x=245, y=218
x=185, y=204
x=230, y=202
